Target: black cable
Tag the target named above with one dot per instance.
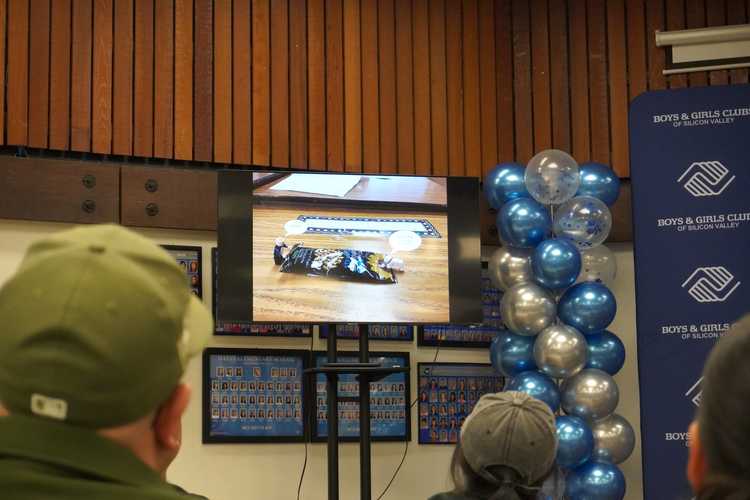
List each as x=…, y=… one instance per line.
x=304, y=465
x=406, y=447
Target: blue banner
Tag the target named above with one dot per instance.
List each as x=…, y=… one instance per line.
x=691, y=211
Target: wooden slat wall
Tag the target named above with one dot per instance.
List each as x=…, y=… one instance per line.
x=394, y=86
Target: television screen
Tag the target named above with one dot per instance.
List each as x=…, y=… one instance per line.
x=248, y=328
x=252, y=395
x=190, y=258
x=469, y=335
x=345, y=248
x=447, y=394
x=389, y=401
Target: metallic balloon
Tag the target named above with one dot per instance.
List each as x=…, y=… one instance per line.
x=503, y=183
x=595, y=481
x=591, y=394
x=575, y=441
x=552, y=177
x=560, y=351
x=606, y=352
x=589, y=307
x=537, y=385
x=599, y=181
x=556, y=263
x=512, y=354
x=523, y=223
x=614, y=439
x=527, y=309
x=585, y=220
x=598, y=264
x=508, y=266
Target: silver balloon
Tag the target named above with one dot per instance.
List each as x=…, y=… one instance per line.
x=614, y=439
x=552, y=177
x=591, y=394
x=509, y=266
x=527, y=309
x=598, y=264
x=584, y=219
x=560, y=351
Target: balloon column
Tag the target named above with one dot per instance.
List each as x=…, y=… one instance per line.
x=555, y=273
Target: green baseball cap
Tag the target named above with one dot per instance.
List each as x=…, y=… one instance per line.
x=98, y=324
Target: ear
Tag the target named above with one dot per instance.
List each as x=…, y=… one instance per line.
x=697, y=466
x=168, y=420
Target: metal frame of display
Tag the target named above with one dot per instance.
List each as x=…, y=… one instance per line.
x=367, y=372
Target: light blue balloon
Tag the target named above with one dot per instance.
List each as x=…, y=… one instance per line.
x=588, y=307
x=523, y=223
x=575, y=441
x=503, y=183
x=556, y=263
x=595, y=481
x=606, y=352
x=536, y=385
x=512, y=354
x=599, y=181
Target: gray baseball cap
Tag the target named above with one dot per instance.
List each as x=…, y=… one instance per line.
x=510, y=429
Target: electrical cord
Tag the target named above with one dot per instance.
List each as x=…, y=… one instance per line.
x=304, y=465
x=406, y=446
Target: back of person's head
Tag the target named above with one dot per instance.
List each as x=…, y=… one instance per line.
x=507, y=449
x=719, y=465
x=98, y=324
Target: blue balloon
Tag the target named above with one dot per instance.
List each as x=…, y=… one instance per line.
x=575, y=441
x=523, y=223
x=537, y=385
x=606, y=352
x=599, y=181
x=503, y=183
x=512, y=354
x=556, y=263
x=589, y=307
x=595, y=481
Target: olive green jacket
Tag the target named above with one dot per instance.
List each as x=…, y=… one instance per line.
x=42, y=459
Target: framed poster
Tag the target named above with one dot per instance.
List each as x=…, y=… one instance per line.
x=468, y=335
x=447, y=394
x=375, y=332
x=254, y=395
x=390, y=415
x=191, y=260
x=251, y=329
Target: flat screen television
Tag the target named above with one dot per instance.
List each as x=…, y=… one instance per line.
x=345, y=248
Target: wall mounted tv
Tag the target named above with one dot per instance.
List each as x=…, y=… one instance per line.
x=348, y=248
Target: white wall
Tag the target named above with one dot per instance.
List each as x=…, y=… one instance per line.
x=271, y=472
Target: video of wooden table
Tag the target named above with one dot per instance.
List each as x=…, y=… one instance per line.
x=420, y=294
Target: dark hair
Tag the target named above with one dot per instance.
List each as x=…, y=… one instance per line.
x=468, y=483
x=724, y=428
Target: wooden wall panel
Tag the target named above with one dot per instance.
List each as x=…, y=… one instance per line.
x=122, y=80
x=183, y=80
x=202, y=80
x=18, y=72
x=395, y=86
x=39, y=11
x=101, y=102
x=164, y=79
x=222, y=95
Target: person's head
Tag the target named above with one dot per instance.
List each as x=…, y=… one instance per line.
x=506, y=449
x=107, y=320
x=719, y=463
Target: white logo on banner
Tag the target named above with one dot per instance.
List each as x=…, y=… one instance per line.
x=711, y=284
x=706, y=178
x=694, y=396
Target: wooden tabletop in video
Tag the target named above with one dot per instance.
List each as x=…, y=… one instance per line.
x=379, y=188
x=419, y=295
